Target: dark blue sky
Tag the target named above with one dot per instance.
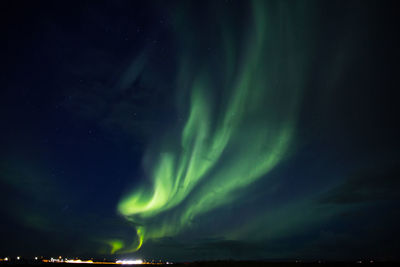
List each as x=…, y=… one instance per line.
x=288, y=112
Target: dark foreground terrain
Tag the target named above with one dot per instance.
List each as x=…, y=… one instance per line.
x=232, y=263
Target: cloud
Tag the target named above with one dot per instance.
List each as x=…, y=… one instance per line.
x=134, y=99
x=367, y=185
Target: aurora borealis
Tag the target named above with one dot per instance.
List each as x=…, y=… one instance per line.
x=192, y=130
x=222, y=148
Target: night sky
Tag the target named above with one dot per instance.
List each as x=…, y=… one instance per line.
x=199, y=130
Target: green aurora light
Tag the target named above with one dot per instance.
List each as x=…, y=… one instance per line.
x=236, y=131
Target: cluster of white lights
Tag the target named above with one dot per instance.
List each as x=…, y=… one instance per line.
x=129, y=261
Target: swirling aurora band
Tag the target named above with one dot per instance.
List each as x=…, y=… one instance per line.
x=228, y=141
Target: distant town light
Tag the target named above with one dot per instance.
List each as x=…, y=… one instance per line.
x=18, y=258
x=78, y=261
x=129, y=262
